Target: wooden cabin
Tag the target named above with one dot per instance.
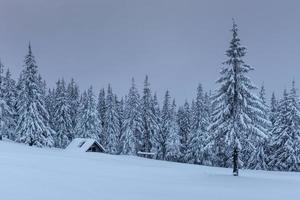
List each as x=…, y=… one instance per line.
x=85, y=145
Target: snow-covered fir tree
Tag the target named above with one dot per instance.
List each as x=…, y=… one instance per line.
x=10, y=90
x=161, y=137
x=285, y=140
x=7, y=121
x=149, y=120
x=32, y=126
x=50, y=106
x=132, y=137
x=73, y=94
x=236, y=109
x=62, y=118
x=88, y=123
x=42, y=85
x=273, y=109
x=173, y=140
x=157, y=132
x=196, y=152
x=184, y=126
x=111, y=122
x=101, y=107
x=10, y=96
x=259, y=156
x=120, y=114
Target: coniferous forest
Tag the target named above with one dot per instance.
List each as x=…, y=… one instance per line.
x=232, y=125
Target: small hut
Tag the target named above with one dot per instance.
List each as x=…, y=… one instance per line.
x=85, y=145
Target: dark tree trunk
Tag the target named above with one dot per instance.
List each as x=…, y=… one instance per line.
x=235, y=162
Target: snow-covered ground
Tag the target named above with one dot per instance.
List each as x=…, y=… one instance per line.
x=30, y=173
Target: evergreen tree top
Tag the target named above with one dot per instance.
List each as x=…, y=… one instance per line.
x=273, y=101
x=236, y=52
x=262, y=94
x=293, y=89
x=29, y=58
x=146, y=82
x=166, y=105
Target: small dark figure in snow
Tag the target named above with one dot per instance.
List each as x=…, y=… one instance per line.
x=235, y=162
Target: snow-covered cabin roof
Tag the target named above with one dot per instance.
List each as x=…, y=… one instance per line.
x=83, y=145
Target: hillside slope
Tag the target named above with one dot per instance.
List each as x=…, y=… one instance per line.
x=30, y=173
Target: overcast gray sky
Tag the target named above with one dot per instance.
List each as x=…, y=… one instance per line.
x=178, y=43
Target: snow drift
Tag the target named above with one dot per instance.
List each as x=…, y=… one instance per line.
x=30, y=173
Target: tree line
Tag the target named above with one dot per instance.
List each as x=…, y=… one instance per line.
x=233, y=126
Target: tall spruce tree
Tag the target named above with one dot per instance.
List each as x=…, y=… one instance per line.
x=111, y=122
x=236, y=109
x=120, y=114
x=32, y=127
x=196, y=152
x=160, y=138
x=184, y=126
x=173, y=140
x=132, y=139
x=62, y=118
x=149, y=120
x=101, y=107
x=88, y=123
x=157, y=132
x=73, y=94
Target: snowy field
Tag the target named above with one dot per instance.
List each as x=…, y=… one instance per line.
x=30, y=173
